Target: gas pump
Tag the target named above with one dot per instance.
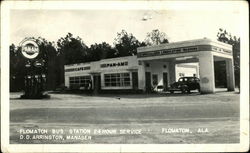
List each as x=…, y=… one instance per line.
x=35, y=75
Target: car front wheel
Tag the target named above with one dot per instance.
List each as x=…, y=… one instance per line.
x=183, y=90
x=199, y=89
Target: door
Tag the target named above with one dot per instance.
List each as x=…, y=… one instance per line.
x=135, y=80
x=97, y=84
x=155, y=80
x=148, y=81
x=165, y=81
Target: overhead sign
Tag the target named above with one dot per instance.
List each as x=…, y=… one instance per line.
x=114, y=64
x=30, y=49
x=168, y=51
x=182, y=50
x=78, y=69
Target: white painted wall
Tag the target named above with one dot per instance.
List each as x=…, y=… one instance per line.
x=206, y=69
x=141, y=76
x=157, y=67
x=188, y=69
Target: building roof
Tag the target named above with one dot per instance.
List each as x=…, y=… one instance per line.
x=194, y=42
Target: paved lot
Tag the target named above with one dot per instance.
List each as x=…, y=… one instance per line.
x=144, y=118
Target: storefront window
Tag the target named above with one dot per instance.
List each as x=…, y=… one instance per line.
x=117, y=79
x=79, y=81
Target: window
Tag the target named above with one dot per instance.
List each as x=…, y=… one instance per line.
x=181, y=74
x=183, y=80
x=191, y=80
x=117, y=79
x=79, y=81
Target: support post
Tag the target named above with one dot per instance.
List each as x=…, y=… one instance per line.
x=141, y=76
x=206, y=71
x=172, y=72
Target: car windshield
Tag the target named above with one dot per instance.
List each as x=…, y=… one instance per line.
x=191, y=79
x=183, y=79
x=188, y=79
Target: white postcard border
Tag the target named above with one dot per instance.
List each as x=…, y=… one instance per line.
x=244, y=96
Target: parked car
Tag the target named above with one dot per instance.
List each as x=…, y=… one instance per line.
x=185, y=84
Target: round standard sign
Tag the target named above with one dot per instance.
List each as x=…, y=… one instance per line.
x=30, y=49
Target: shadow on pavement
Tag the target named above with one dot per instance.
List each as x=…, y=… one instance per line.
x=133, y=95
x=126, y=95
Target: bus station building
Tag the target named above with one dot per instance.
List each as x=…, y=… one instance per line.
x=154, y=66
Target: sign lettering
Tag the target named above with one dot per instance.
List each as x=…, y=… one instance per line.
x=114, y=64
x=183, y=50
x=78, y=69
x=29, y=49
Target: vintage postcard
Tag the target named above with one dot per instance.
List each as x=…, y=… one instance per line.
x=124, y=76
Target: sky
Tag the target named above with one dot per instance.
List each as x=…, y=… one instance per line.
x=97, y=26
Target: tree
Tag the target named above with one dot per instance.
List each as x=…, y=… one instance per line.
x=126, y=44
x=72, y=50
x=47, y=53
x=226, y=37
x=155, y=37
x=17, y=63
x=101, y=51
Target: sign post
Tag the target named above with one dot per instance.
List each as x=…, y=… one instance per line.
x=35, y=77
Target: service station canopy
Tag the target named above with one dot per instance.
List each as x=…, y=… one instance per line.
x=206, y=51
x=182, y=48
